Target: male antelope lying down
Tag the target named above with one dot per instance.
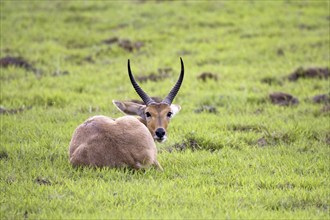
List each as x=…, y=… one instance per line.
x=126, y=141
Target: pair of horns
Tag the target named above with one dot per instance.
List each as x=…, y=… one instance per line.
x=146, y=99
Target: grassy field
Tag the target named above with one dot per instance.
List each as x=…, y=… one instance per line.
x=231, y=152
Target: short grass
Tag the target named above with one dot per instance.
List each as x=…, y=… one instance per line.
x=214, y=166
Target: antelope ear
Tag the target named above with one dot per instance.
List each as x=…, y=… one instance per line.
x=130, y=108
x=175, y=109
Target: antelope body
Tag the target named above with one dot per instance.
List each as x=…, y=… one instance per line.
x=102, y=141
x=126, y=141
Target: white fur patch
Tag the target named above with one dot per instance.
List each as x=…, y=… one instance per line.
x=175, y=109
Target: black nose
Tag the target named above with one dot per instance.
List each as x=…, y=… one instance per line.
x=160, y=132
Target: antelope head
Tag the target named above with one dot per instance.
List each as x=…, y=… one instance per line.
x=155, y=115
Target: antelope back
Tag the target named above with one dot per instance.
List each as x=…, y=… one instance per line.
x=102, y=141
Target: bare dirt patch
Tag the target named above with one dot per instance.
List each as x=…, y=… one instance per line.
x=283, y=99
x=312, y=72
x=17, y=62
x=271, y=81
x=274, y=138
x=323, y=98
x=111, y=40
x=194, y=143
x=189, y=143
x=207, y=76
x=162, y=73
x=126, y=44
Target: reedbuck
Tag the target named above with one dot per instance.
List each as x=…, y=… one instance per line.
x=126, y=141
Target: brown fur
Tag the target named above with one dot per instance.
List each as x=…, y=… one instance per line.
x=158, y=118
x=123, y=142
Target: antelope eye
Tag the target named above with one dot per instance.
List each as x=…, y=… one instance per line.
x=148, y=114
x=169, y=114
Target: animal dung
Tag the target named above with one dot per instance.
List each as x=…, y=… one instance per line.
x=129, y=45
x=207, y=76
x=126, y=44
x=165, y=70
x=162, y=74
x=15, y=61
x=311, y=72
x=323, y=98
x=271, y=81
x=283, y=99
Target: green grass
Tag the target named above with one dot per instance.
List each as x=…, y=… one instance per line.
x=213, y=165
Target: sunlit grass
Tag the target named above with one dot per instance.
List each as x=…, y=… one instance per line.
x=247, y=158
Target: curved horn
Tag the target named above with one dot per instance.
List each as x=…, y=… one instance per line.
x=169, y=98
x=146, y=99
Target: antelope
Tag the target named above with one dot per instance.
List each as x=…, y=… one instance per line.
x=127, y=141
